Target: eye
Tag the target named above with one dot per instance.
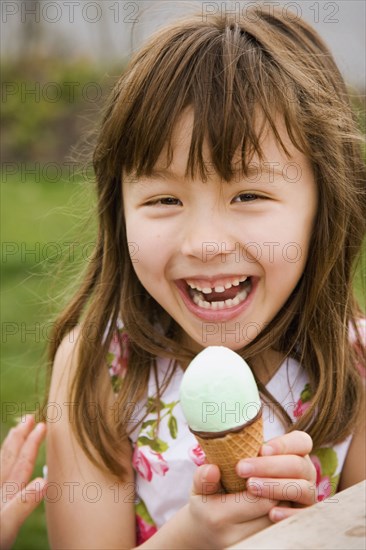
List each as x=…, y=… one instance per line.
x=165, y=201
x=246, y=197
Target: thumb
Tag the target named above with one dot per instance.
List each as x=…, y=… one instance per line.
x=206, y=480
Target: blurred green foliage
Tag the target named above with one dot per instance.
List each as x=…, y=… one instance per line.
x=47, y=105
x=47, y=225
x=39, y=271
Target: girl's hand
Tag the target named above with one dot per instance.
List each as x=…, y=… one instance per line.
x=221, y=519
x=282, y=472
x=18, y=456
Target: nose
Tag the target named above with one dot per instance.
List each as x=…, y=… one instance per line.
x=207, y=235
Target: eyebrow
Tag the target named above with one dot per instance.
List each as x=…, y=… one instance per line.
x=155, y=174
x=253, y=169
x=163, y=173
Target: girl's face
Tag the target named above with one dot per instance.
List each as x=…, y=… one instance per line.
x=221, y=258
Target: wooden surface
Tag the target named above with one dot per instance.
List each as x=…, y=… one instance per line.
x=337, y=523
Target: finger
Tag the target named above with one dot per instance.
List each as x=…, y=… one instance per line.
x=292, y=490
x=13, y=443
x=296, y=443
x=281, y=466
x=206, y=480
x=238, y=507
x=22, y=468
x=15, y=512
x=277, y=513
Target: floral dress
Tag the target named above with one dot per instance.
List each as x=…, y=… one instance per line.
x=165, y=460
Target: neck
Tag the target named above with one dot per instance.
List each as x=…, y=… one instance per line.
x=267, y=364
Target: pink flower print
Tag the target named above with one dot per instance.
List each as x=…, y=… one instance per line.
x=141, y=463
x=304, y=402
x=361, y=325
x=197, y=455
x=323, y=484
x=324, y=488
x=144, y=530
x=300, y=408
x=125, y=345
x=147, y=462
x=160, y=467
x=119, y=357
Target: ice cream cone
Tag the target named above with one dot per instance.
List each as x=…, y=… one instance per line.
x=221, y=403
x=226, y=451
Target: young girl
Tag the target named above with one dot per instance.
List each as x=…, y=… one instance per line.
x=231, y=212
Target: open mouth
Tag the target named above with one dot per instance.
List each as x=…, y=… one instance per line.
x=222, y=296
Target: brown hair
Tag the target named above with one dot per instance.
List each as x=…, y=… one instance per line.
x=226, y=68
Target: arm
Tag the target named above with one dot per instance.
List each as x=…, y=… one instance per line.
x=354, y=468
x=73, y=519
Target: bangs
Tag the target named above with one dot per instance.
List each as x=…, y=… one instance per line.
x=231, y=80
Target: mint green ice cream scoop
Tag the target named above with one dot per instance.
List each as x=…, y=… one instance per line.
x=218, y=391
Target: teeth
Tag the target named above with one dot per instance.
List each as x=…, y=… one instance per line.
x=207, y=290
x=198, y=299
x=218, y=305
x=236, y=301
x=219, y=289
x=194, y=287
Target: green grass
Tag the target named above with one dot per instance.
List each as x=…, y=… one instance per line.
x=33, y=216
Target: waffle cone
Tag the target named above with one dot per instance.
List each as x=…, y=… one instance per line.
x=228, y=450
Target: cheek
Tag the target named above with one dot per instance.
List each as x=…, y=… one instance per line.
x=275, y=249
x=284, y=248
x=147, y=251
x=293, y=233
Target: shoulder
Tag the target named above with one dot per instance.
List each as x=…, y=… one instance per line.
x=65, y=361
x=86, y=495
x=68, y=343
x=65, y=368
x=354, y=468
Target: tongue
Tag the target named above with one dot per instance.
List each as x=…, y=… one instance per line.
x=228, y=294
